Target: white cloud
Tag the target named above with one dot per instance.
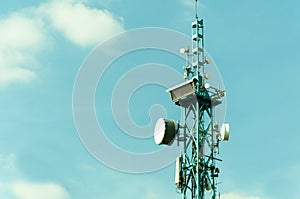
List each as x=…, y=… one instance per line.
x=238, y=196
x=12, y=186
x=20, y=39
x=27, y=190
x=80, y=24
x=15, y=74
x=20, y=32
x=24, y=35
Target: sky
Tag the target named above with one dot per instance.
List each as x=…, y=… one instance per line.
x=46, y=46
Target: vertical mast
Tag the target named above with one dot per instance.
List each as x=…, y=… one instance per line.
x=196, y=171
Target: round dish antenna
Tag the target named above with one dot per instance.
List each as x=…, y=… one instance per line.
x=165, y=131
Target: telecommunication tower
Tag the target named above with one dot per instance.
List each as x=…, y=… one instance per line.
x=199, y=135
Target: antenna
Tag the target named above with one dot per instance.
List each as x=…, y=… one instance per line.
x=196, y=171
x=196, y=9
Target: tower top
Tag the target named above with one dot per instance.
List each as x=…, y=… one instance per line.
x=196, y=9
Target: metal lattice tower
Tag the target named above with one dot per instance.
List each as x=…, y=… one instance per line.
x=196, y=171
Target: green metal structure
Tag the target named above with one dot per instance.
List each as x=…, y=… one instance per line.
x=196, y=170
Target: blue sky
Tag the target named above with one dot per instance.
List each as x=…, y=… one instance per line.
x=255, y=45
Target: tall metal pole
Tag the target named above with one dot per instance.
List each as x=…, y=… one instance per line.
x=198, y=163
x=196, y=171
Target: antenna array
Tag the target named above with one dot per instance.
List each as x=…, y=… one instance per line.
x=196, y=171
